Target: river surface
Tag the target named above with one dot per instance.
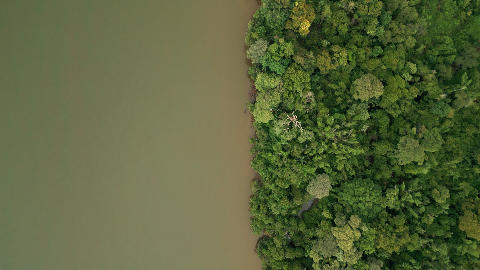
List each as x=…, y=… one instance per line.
x=123, y=138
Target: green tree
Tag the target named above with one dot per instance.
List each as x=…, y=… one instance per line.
x=352, y=256
x=324, y=62
x=409, y=150
x=398, y=96
x=306, y=60
x=268, y=97
x=462, y=100
x=366, y=243
x=320, y=186
x=362, y=195
x=277, y=57
x=369, y=8
x=324, y=247
x=468, y=58
x=340, y=55
x=367, y=87
x=266, y=82
x=296, y=80
x=257, y=51
x=284, y=3
x=441, y=194
x=392, y=233
x=439, y=108
x=265, y=102
x=275, y=15
x=359, y=111
x=335, y=265
x=347, y=234
x=377, y=50
x=432, y=140
x=374, y=264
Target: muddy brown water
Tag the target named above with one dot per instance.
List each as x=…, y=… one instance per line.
x=123, y=138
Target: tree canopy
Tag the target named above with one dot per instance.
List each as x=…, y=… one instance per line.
x=367, y=87
x=372, y=108
x=320, y=186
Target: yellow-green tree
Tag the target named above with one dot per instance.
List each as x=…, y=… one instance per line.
x=469, y=222
x=302, y=17
x=340, y=55
x=325, y=62
x=324, y=247
x=347, y=234
x=393, y=234
x=369, y=8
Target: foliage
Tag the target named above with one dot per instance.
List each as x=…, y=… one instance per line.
x=347, y=234
x=320, y=186
x=359, y=111
x=324, y=247
x=302, y=17
x=325, y=62
x=372, y=107
x=367, y=87
x=439, y=108
x=257, y=51
x=267, y=101
x=278, y=56
x=361, y=195
x=410, y=150
x=470, y=222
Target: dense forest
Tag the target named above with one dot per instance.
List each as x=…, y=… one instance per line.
x=366, y=113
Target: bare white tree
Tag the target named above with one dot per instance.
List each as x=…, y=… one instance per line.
x=293, y=119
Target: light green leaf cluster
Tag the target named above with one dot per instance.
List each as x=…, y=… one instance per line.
x=257, y=51
x=265, y=104
x=266, y=81
x=296, y=80
x=367, y=87
x=441, y=194
x=269, y=96
x=470, y=224
x=320, y=186
x=347, y=234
